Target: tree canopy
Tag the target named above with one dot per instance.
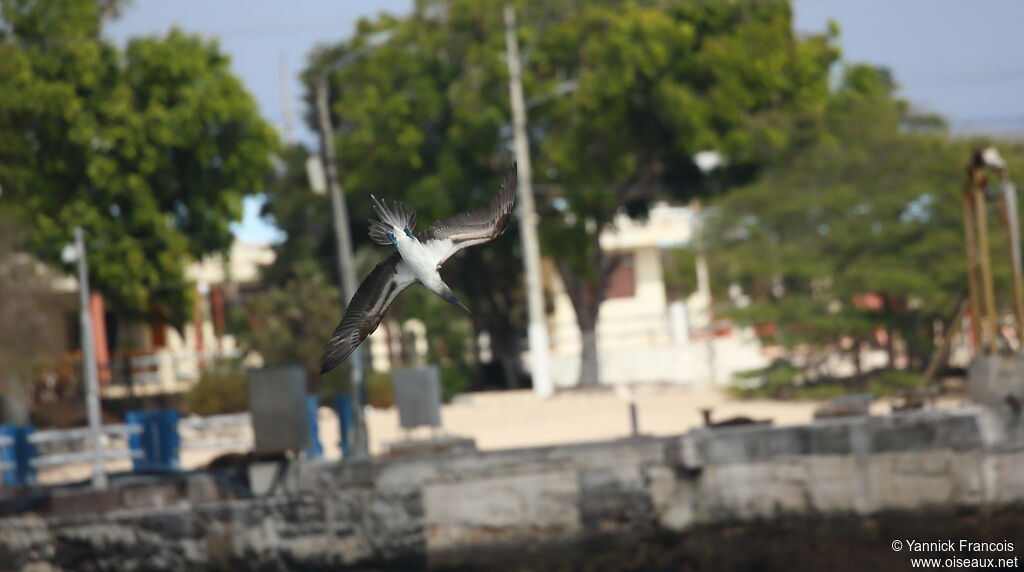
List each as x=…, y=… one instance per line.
x=150, y=149
x=871, y=211
x=424, y=117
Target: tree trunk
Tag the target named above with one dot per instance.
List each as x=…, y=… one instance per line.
x=590, y=368
x=510, y=365
x=586, y=300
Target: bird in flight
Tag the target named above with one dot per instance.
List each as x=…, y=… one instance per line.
x=418, y=258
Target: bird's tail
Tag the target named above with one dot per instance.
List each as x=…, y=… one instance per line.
x=392, y=220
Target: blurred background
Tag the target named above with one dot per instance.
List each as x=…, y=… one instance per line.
x=745, y=207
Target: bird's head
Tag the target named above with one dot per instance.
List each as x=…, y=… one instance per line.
x=456, y=302
x=448, y=296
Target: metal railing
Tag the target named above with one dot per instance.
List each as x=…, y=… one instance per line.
x=195, y=431
x=57, y=437
x=150, y=368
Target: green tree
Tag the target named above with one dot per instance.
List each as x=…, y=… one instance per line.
x=873, y=208
x=151, y=150
x=424, y=118
x=286, y=324
x=305, y=220
x=657, y=85
x=414, y=124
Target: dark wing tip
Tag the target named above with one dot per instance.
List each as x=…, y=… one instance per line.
x=333, y=356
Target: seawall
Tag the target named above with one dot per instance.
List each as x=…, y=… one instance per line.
x=411, y=512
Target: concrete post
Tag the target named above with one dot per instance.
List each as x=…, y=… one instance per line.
x=538, y=333
x=92, y=391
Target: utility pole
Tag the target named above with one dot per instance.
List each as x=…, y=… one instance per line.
x=707, y=161
x=92, y=397
x=287, y=123
x=346, y=264
x=538, y=333
x=704, y=288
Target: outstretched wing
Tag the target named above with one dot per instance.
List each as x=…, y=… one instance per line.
x=451, y=234
x=367, y=309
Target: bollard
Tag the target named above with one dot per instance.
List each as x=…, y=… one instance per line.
x=313, y=450
x=18, y=454
x=343, y=407
x=157, y=446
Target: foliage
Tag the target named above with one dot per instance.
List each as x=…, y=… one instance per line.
x=783, y=380
x=414, y=123
x=150, y=149
x=863, y=230
x=424, y=118
x=305, y=220
x=290, y=323
x=655, y=86
x=221, y=388
x=380, y=391
x=454, y=380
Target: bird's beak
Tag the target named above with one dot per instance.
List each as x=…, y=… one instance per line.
x=459, y=303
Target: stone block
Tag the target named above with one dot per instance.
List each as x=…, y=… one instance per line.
x=614, y=498
x=748, y=444
x=277, y=400
x=925, y=430
x=418, y=396
x=538, y=506
x=992, y=380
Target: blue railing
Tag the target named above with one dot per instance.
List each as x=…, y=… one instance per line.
x=151, y=439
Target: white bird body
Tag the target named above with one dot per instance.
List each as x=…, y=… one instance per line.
x=423, y=260
x=418, y=258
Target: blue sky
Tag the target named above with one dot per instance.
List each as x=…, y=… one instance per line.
x=962, y=59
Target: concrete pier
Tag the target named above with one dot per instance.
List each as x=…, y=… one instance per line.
x=411, y=512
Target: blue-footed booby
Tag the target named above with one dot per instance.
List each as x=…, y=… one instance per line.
x=418, y=258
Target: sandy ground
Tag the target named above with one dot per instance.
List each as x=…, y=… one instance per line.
x=507, y=419
x=499, y=420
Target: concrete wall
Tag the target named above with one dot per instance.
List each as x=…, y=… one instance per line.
x=434, y=510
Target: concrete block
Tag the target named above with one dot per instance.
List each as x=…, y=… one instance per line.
x=833, y=484
x=749, y=444
x=538, y=506
x=277, y=400
x=958, y=431
x=418, y=396
x=614, y=498
x=440, y=445
x=909, y=480
x=672, y=498
x=751, y=491
x=1007, y=479
x=991, y=379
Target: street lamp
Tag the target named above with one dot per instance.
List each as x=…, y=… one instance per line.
x=706, y=161
x=537, y=329
x=342, y=232
x=75, y=252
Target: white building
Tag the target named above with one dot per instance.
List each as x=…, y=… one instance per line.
x=642, y=336
x=167, y=361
